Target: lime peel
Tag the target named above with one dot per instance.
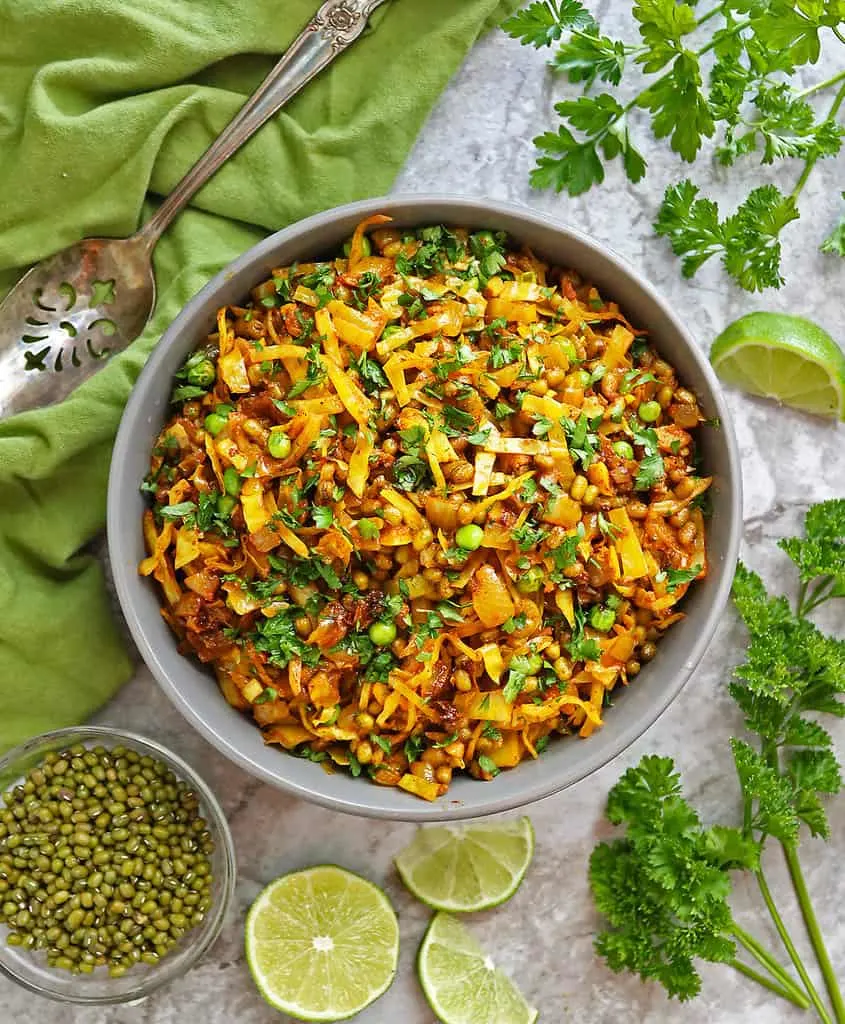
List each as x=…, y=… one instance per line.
x=322, y=944
x=785, y=357
x=460, y=981
x=468, y=869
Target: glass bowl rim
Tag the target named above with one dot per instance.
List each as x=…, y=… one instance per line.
x=194, y=949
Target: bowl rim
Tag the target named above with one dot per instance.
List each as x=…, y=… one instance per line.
x=593, y=759
x=193, y=951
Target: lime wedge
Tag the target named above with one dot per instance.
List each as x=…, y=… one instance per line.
x=322, y=944
x=788, y=358
x=467, y=869
x=461, y=982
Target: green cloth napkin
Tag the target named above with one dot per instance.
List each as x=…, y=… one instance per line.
x=101, y=102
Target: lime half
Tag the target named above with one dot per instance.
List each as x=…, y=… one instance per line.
x=785, y=357
x=467, y=869
x=461, y=982
x=322, y=944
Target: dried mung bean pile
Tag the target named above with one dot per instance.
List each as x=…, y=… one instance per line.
x=104, y=860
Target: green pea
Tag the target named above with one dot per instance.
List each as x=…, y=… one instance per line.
x=649, y=412
x=602, y=618
x=201, y=373
x=226, y=505
x=469, y=537
x=382, y=634
x=623, y=450
x=530, y=580
x=214, y=423
x=278, y=443
x=231, y=481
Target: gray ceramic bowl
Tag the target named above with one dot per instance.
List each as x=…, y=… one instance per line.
x=192, y=688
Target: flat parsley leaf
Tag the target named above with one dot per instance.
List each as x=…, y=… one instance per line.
x=543, y=22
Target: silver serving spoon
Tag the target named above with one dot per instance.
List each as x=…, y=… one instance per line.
x=73, y=310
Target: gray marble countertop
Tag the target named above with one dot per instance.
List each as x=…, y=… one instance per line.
x=478, y=142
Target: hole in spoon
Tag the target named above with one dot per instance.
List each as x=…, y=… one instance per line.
x=102, y=292
x=68, y=292
x=94, y=353
x=32, y=339
x=35, y=323
x=106, y=326
x=35, y=360
x=36, y=298
x=68, y=326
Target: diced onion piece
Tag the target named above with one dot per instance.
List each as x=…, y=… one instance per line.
x=187, y=547
x=395, y=536
x=563, y=600
x=489, y=707
x=288, y=736
x=490, y=597
x=494, y=664
x=252, y=502
x=419, y=787
x=513, y=312
x=441, y=513
x=442, y=446
x=620, y=648
x=521, y=291
x=307, y=296
x=233, y=371
x=509, y=754
x=627, y=545
x=561, y=510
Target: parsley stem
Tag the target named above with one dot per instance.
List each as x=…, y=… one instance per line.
x=838, y=34
x=710, y=14
x=790, y=990
x=797, y=997
x=789, y=945
x=818, y=596
x=810, y=163
x=813, y=930
x=820, y=86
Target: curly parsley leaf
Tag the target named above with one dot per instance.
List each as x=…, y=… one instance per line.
x=664, y=887
x=747, y=241
x=820, y=555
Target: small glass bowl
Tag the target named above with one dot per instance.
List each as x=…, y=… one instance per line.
x=29, y=967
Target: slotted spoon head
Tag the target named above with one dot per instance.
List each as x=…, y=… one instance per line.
x=69, y=314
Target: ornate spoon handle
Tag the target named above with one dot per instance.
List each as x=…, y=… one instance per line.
x=336, y=25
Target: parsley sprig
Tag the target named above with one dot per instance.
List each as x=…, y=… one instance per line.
x=664, y=886
x=745, y=99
